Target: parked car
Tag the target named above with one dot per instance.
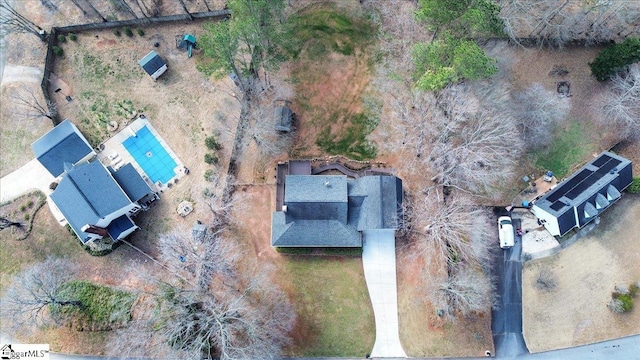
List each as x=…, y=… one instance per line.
x=505, y=232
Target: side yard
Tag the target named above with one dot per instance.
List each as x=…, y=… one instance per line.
x=574, y=311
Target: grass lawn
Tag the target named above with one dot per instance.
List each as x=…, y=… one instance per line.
x=568, y=149
x=333, y=306
x=47, y=238
x=102, y=307
x=330, y=77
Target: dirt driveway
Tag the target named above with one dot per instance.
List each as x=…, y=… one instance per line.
x=575, y=311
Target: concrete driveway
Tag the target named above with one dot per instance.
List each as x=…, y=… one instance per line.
x=379, y=262
x=29, y=177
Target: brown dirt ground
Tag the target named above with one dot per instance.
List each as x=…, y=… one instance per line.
x=431, y=336
x=534, y=65
x=575, y=312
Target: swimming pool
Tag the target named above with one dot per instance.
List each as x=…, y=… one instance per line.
x=152, y=157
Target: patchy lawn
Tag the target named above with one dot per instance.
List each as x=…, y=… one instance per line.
x=334, y=111
x=334, y=310
x=567, y=151
x=575, y=312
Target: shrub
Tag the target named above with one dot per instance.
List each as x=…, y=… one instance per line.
x=57, y=50
x=211, y=159
x=62, y=38
x=615, y=58
x=127, y=31
x=546, y=280
x=140, y=32
x=212, y=143
x=623, y=302
x=633, y=290
x=73, y=37
x=340, y=251
x=117, y=32
x=634, y=188
x=208, y=174
x=294, y=250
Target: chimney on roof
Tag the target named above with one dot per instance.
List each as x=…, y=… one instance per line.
x=92, y=229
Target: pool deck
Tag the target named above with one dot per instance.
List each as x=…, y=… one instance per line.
x=113, y=153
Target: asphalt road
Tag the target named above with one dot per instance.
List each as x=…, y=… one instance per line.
x=506, y=323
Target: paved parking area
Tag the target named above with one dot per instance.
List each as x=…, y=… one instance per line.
x=31, y=176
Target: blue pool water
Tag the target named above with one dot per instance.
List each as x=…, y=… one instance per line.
x=152, y=157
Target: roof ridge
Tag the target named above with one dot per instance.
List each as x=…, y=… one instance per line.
x=75, y=185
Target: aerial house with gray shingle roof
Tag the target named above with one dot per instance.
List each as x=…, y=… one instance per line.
x=95, y=201
x=581, y=198
x=334, y=211
x=62, y=144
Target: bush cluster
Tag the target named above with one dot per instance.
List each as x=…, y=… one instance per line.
x=210, y=158
x=634, y=188
x=57, y=50
x=622, y=298
x=615, y=58
x=212, y=144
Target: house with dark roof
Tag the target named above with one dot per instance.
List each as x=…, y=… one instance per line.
x=580, y=198
x=97, y=205
x=95, y=201
x=334, y=211
x=153, y=64
x=63, y=144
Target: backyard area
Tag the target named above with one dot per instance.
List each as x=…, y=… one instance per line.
x=574, y=311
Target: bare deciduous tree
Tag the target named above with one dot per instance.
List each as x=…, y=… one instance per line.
x=451, y=231
x=538, y=111
x=219, y=196
x=121, y=5
x=556, y=23
x=467, y=291
x=88, y=2
x=474, y=148
x=216, y=312
x=252, y=323
x=34, y=293
x=197, y=259
x=546, y=280
x=32, y=106
x=621, y=103
x=11, y=21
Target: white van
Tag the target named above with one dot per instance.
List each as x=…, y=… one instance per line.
x=505, y=232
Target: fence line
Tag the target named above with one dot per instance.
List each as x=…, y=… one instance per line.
x=55, y=31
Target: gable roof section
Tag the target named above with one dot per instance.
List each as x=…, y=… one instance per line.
x=315, y=189
x=87, y=194
x=151, y=62
x=381, y=204
x=312, y=233
x=63, y=143
x=131, y=182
